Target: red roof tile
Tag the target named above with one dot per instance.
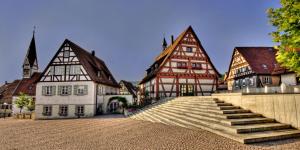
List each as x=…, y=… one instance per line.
x=27, y=85
x=261, y=59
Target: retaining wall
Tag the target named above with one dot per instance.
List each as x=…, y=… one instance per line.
x=285, y=108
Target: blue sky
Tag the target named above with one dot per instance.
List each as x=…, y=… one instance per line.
x=127, y=35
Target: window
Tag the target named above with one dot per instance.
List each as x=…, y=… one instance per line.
x=266, y=80
x=75, y=69
x=189, y=49
x=182, y=90
x=244, y=82
x=79, y=110
x=181, y=65
x=59, y=70
x=190, y=88
x=66, y=53
x=51, y=70
x=67, y=70
x=65, y=90
x=48, y=90
x=63, y=110
x=237, y=84
x=47, y=110
x=80, y=89
x=196, y=65
x=251, y=81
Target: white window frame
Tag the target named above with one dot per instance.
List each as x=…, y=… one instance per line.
x=64, y=90
x=48, y=90
x=63, y=110
x=47, y=110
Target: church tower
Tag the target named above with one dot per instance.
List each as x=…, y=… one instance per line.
x=30, y=64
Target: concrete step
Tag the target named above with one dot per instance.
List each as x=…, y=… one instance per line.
x=243, y=121
x=235, y=129
x=270, y=135
x=212, y=114
x=219, y=118
x=197, y=102
x=208, y=106
x=202, y=104
x=194, y=108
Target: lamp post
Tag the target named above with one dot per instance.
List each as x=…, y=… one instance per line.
x=5, y=105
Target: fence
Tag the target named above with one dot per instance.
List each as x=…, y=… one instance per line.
x=5, y=110
x=273, y=89
x=283, y=89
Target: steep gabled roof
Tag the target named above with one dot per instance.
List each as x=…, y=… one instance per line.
x=258, y=57
x=164, y=55
x=261, y=59
x=7, y=91
x=31, y=55
x=131, y=89
x=27, y=85
x=91, y=63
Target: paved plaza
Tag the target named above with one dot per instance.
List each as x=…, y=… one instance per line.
x=115, y=132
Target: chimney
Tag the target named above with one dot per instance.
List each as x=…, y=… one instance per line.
x=93, y=53
x=5, y=82
x=172, y=39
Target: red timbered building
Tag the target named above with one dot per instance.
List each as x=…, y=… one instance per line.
x=182, y=69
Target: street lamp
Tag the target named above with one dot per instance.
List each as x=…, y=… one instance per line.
x=5, y=105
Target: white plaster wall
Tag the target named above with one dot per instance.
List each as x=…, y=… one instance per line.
x=88, y=100
x=289, y=79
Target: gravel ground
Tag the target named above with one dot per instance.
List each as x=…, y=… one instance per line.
x=116, y=133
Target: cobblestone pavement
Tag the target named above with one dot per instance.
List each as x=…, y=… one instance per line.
x=116, y=133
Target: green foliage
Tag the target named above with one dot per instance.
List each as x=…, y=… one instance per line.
x=31, y=105
x=287, y=22
x=22, y=101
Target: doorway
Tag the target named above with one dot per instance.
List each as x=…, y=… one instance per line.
x=187, y=90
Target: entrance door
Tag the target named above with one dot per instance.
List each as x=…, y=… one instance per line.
x=114, y=106
x=187, y=90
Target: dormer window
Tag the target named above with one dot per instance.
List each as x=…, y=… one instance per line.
x=264, y=66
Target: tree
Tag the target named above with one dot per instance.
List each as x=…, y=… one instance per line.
x=287, y=22
x=22, y=101
x=31, y=105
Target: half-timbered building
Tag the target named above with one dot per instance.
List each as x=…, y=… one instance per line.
x=252, y=67
x=183, y=68
x=74, y=84
x=127, y=88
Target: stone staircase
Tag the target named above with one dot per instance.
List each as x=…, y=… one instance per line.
x=218, y=117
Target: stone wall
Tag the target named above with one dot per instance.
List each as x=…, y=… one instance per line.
x=285, y=108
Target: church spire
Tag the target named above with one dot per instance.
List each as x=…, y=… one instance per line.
x=30, y=64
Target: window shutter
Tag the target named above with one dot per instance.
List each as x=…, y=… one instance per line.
x=75, y=90
x=69, y=89
x=85, y=91
x=43, y=90
x=50, y=108
x=59, y=90
x=53, y=92
x=44, y=110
